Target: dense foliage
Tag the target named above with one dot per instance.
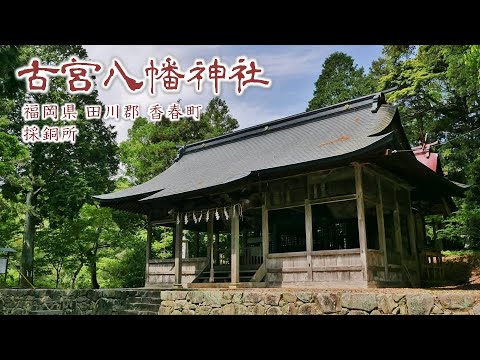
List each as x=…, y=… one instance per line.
x=340, y=80
x=46, y=209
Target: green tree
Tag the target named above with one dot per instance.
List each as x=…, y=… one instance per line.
x=439, y=95
x=218, y=119
x=58, y=178
x=54, y=251
x=93, y=235
x=472, y=59
x=12, y=155
x=151, y=146
x=126, y=268
x=340, y=80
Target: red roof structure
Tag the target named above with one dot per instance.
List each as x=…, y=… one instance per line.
x=428, y=158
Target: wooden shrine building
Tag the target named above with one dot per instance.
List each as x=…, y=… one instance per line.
x=333, y=197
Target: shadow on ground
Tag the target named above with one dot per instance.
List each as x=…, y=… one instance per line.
x=462, y=272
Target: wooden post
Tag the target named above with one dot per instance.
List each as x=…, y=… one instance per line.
x=381, y=227
x=178, y=254
x=397, y=225
x=362, y=231
x=264, y=234
x=210, y=248
x=149, y=249
x=309, y=238
x=196, y=235
x=413, y=236
x=235, y=257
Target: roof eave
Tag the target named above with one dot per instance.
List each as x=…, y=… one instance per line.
x=260, y=174
x=134, y=197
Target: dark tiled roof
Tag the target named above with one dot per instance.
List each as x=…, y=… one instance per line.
x=316, y=135
x=293, y=145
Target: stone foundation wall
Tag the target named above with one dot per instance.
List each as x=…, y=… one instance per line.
x=73, y=302
x=269, y=302
x=238, y=302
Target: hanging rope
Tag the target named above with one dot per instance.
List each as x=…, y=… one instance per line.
x=197, y=215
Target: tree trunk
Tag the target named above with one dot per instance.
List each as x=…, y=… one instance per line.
x=93, y=263
x=58, y=270
x=93, y=274
x=26, y=262
x=75, y=274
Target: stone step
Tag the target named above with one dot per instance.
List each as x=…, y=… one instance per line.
x=148, y=293
x=137, y=312
x=144, y=307
x=46, y=312
x=152, y=300
x=145, y=299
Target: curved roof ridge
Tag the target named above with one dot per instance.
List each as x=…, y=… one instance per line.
x=291, y=120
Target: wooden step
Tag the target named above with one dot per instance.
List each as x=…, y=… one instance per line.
x=226, y=285
x=229, y=267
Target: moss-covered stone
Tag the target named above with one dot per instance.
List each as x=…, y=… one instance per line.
x=419, y=304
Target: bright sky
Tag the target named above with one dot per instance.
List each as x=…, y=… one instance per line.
x=293, y=70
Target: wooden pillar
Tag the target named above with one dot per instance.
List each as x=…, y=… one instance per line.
x=265, y=234
x=413, y=236
x=381, y=227
x=210, y=248
x=397, y=226
x=196, y=235
x=178, y=254
x=362, y=231
x=148, y=249
x=309, y=238
x=235, y=238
